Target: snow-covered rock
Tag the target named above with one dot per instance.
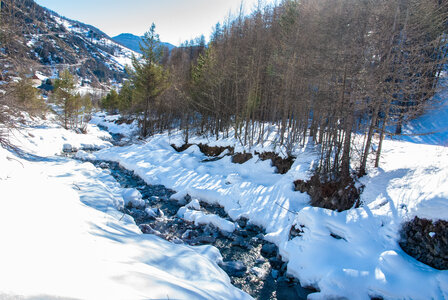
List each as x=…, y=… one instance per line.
x=132, y=197
x=199, y=217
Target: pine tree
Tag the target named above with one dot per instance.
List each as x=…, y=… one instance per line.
x=111, y=101
x=149, y=78
x=76, y=109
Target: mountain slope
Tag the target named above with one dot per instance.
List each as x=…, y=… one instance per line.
x=133, y=42
x=38, y=38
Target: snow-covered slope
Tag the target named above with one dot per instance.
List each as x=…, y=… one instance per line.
x=62, y=236
x=50, y=43
x=432, y=126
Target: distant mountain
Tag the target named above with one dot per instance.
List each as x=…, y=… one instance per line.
x=133, y=42
x=38, y=39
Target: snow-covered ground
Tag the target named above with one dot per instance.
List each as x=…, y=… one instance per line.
x=353, y=254
x=62, y=235
x=62, y=216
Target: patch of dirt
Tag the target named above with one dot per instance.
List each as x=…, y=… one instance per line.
x=124, y=121
x=334, y=195
x=241, y=158
x=206, y=149
x=215, y=150
x=283, y=165
x=426, y=241
x=181, y=148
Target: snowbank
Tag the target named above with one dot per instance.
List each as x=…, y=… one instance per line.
x=199, y=217
x=45, y=138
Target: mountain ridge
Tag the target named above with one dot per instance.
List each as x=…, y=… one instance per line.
x=132, y=42
x=35, y=38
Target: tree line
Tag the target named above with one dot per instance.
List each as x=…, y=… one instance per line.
x=345, y=73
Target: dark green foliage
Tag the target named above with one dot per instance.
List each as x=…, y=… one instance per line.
x=111, y=101
x=76, y=109
x=149, y=79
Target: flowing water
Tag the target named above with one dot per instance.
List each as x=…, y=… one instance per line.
x=252, y=263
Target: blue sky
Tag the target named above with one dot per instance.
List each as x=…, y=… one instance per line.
x=176, y=20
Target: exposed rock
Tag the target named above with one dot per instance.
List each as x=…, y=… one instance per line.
x=128, y=121
x=242, y=243
x=147, y=229
x=203, y=240
x=253, y=228
x=295, y=231
x=426, y=241
x=242, y=233
x=234, y=268
x=242, y=222
x=275, y=262
x=291, y=289
x=269, y=250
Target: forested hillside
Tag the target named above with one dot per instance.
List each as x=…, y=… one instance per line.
x=346, y=73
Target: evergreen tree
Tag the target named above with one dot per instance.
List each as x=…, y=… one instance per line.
x=110, y=102
x=76, y=110
x=125, y=98
x=149, y=78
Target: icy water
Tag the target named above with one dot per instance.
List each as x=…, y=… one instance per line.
x=252, y=263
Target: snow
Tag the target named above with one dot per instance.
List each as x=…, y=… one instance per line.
x=154, y=212
x=353, y=254
x=199, y=217
x=132, y=197
x=47, y=138
x=40, y=76
x=408, y=183
x=364, y=261
x=63, y=237
x=431, y=127
x=122, y=56
x=108, y=122
x=83, y=155
x=194, y=204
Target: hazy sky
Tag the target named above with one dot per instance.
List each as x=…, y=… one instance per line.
x=176, y=20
